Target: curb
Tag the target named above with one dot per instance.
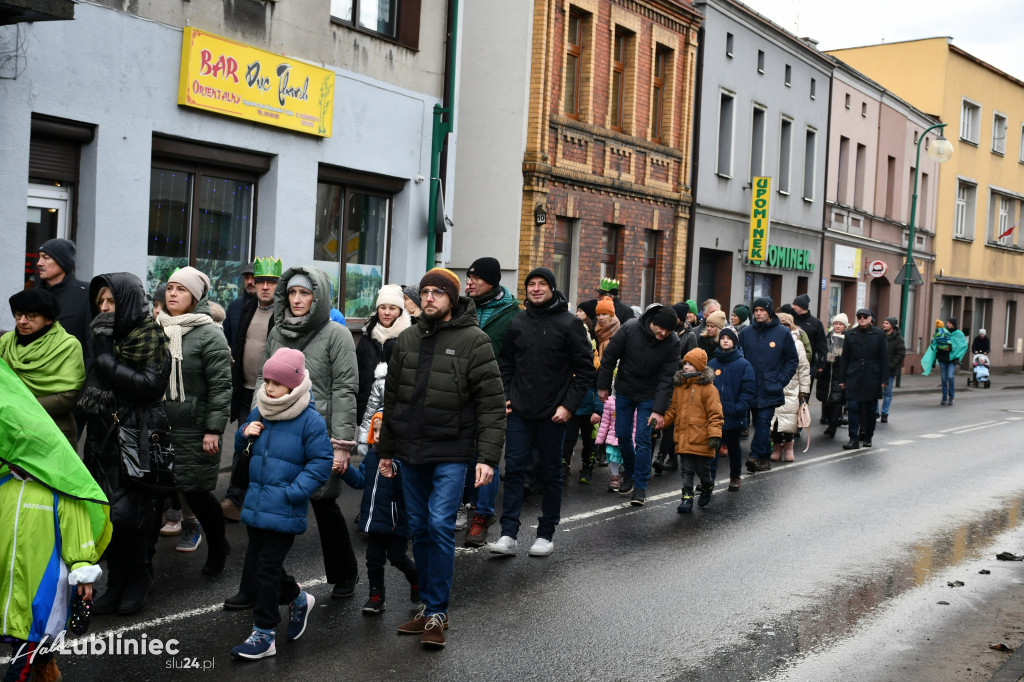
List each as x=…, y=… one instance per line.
x=1012, y=670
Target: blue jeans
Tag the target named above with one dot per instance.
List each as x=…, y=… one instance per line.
x=947, y=370
x=521, y=436
x=887, y=395
x=637, y=460
x=482, y=498
x=433, y=493
x=761, y=443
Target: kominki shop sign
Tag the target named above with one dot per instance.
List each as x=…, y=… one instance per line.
x=234, y=79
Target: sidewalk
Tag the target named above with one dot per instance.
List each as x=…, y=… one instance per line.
x=913, y=384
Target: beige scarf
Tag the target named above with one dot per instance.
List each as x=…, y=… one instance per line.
x=176, y=327
x=380, y=333
x=287, y=406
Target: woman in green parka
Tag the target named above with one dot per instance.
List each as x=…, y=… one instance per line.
x=198, y=402
x=302, y=309
x=45, y=357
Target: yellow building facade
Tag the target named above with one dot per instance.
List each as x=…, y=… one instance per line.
x=979, y=269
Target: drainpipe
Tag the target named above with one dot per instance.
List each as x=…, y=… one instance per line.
x=441, y=128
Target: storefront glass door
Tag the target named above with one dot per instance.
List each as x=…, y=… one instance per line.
x=47, y=219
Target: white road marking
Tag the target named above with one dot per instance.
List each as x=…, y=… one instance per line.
x=901, y=442
x=976, y=428
x=932, y=435
x=955, y=428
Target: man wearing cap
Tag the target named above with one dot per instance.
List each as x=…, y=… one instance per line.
x=863, y=375
x=812, y=325
x=56, y=272
x=255, y=321
x=234, y=311
x=496, y=307
x=443, y=404
x=770, y=349
x=647, y=354
x=547, y=366
x=897, y=350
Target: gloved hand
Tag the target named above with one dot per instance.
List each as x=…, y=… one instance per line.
x=102, y=345
x=714, y=444
x=804, y=397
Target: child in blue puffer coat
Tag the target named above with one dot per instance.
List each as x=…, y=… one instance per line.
x=290, y=458
x=382, y=517
x=737, y=387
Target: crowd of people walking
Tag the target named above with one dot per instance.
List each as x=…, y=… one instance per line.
x=442, y=385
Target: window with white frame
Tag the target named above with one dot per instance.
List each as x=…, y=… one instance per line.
x=757, y=140
x=398, y=20
x=810, y=158
x=970, y=121
x=726, y=115
x=1004, y=219
x=785, y=155
x=1010, y=332
x=963, y=218
x=998, y=133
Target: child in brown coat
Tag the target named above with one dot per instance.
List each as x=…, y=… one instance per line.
x=696, y=411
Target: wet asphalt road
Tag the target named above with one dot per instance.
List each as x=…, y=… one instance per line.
x=789, y=564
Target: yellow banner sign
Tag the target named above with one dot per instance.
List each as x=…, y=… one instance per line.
x=234, y=79
x=757, y=249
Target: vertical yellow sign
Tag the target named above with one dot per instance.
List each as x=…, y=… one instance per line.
x=759, y=220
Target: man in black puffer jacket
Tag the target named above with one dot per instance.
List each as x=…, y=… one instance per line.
x=547, y=365
x=442, y=400
x=647, y=354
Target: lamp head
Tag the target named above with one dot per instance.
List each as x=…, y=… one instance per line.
x=941, y=149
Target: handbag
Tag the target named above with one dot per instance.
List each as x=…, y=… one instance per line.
x=147, y=457
x=803, y=421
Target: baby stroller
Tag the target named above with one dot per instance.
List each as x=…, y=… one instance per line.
x=980, y=374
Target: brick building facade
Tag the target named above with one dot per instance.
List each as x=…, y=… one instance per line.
x=606, y=163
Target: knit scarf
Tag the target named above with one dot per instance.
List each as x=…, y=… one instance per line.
x=492, y=303
x=380, y=333
x=176, y=327
x=51, y=364
x=287, y=406
x=605, y=332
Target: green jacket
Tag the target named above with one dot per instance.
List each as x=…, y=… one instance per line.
x=206, y=375
x=495, y=316
x=330, y=354
x=443, y=397
x=36, y=564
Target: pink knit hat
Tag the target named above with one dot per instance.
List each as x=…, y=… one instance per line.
x=286, y=366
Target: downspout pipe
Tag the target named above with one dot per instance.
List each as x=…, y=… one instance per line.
x=442, y=126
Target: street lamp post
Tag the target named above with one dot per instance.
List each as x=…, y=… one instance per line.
x=940, y=151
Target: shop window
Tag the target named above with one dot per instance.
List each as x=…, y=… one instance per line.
x=835, y=302
x=1010, y=330
x=610, y=243
x=200, y=217
x=649, y=268
x=398, y=20
x=756, y=284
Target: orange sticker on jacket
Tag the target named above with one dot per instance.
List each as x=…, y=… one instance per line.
x=771, y=345
x=717, y=372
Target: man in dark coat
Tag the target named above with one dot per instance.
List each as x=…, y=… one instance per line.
x=769, y=347
x=234, y=313
x=247, y=353
x=647, y=354
x=443, y=403
x=863, y=374
x=56, y=271
x=897, y=352
x=547, y=366
x=812, y=325
x=496, y=307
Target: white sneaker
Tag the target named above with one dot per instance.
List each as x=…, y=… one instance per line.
x=462, y=517
x=505, y=545
x=541, y=547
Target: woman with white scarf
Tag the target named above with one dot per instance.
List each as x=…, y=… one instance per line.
x=389, y=319
x=198, y=404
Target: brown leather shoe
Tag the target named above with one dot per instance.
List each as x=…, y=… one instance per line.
x=418, y=623
x=734, y=485
x=433, y=631
x=230, y=511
